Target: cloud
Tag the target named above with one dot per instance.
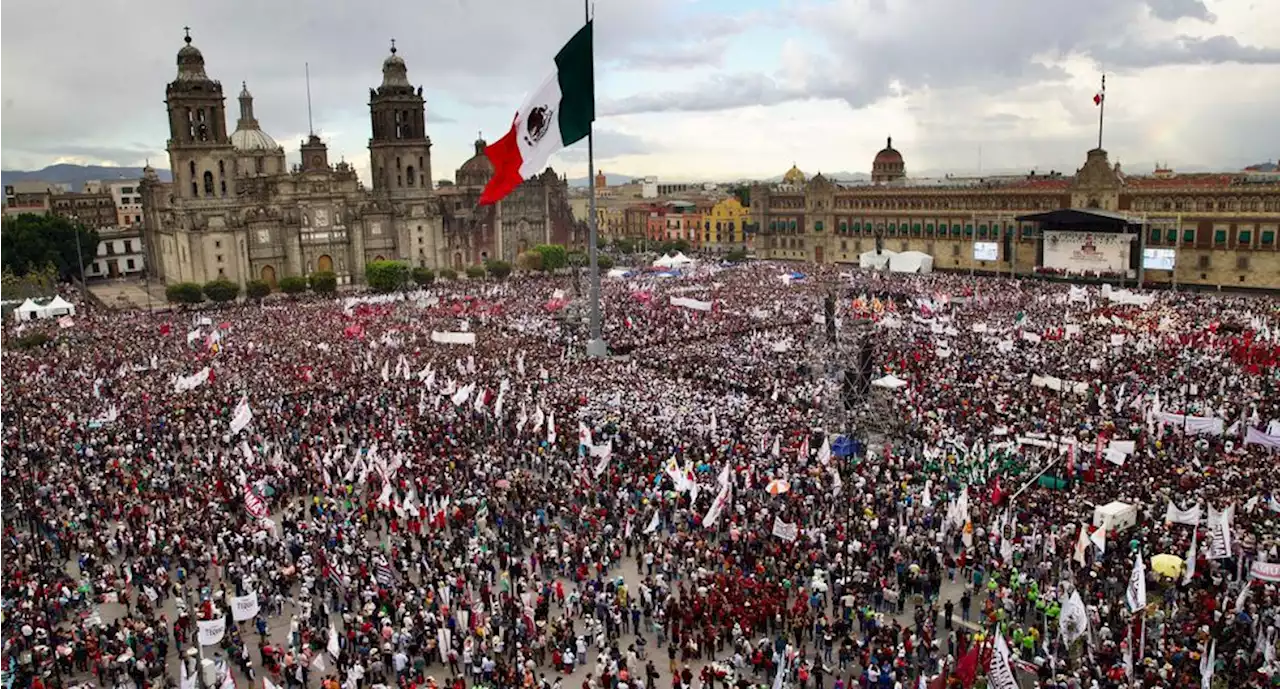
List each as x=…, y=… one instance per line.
x=1173, y=10
x=611, y=144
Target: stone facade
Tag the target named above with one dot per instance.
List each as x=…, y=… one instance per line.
x=234, y=211
x=1225, y=227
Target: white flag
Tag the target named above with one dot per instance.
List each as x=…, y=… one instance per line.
x=654, y=523
x=211, y=631
x=242, y=416
x=1073, y=620
x=333, y=648
x=1206, y=665
x=1191, y=557
x=551, y=428
x=1136, y=594
x=244, y=607
x=1000, y=673
x=824, y=452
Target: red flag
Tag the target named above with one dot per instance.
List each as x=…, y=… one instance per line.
x=165, y=329
x=967, y=667
x=1097, y=98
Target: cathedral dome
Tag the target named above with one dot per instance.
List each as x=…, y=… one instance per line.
x=394, y=70
x=888, y=165
x=478, y=169
x=794, y=176
x=253, y=140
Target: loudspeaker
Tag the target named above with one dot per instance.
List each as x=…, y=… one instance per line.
x=866, y=365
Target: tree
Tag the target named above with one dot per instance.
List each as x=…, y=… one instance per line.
x=678, y=246
x=293, y=284
x=604, y=262
x=475, y=272
x=499, y=269
x=742, y=192
x=736, y=255
x=448, y=274
x=529, y=260
x=554, y=256
x=423, y=276
x=257, y=290
x=221, y=291
x=386, y=276
x=324, y=282
x=624, y=246
x=576, y=259
x=184, y=293
x=31, y=242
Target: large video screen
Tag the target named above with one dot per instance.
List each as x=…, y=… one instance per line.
x=986, y=251
x=1158, y=259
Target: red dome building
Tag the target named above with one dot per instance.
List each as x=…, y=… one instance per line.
x=888, y=166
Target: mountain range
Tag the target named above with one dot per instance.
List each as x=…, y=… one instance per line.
x=76, y=175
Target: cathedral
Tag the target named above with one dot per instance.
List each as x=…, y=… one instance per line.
x=235, y=210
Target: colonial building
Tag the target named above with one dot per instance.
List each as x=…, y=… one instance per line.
x=236, y=210
x=1222, y=227
x=536, y=212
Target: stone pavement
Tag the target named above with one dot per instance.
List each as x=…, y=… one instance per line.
x=129, y=294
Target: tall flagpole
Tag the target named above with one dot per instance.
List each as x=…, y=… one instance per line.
x=1102, y=107
x=595, y=346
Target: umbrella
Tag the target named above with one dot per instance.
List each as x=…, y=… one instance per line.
x=1167, y=565
x=778, y=486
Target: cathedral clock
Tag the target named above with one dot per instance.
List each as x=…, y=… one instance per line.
x=317, y=161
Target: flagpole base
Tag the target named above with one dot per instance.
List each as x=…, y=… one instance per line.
x=597, y=349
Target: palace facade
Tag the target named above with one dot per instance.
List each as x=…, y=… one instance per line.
x=1222, y=227
x=234, y=210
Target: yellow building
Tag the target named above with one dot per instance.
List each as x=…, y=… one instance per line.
x=724, y=226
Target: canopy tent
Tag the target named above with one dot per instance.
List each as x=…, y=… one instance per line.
x=679, y=259
x=28, y=311
x=60, y=307
x=875, y=260
x=889, y=382
x=911, y=262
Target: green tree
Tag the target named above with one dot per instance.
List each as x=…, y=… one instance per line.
x=576, y=259
x=499, y=269
x=475, y=272
x=624, y=245
x=448, y=274
x=529, y=260
x=221, y=291
x=386, y=276
x=736, y=255
x=742, y=192
x=604, y=262
x=257, y=290
x=184, y=293
x=293, y=284
x=324, y=282
x=554, y=256
x=423, y=276
x=32, y=242
x=678, y=246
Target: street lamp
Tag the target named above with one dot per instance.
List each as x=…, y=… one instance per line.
x=76, y=227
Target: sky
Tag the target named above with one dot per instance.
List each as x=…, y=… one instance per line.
x=687, y=90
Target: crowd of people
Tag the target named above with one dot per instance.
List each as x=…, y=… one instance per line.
x=439, y=489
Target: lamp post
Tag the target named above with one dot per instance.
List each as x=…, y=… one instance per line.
x=76, y=227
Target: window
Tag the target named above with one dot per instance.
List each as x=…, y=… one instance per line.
x=1155, y=235
x=968, y=230
x=915, y=229
x=929, y=228
x=223, y=187
x=1171, y=235
x=126, y=190
x=773, y=225
x=208, y=183
x=129, y=264
x=1245, y=238
x=982, y=230
x=955, y=249
x=1219, y=236
x=258, y=164
x=1242, y=262
x=817, y=226
x=1188, y=236
x=128, y=246
x=793, y=224
x=218, y=258
x=217, y=244
x=844, y=226
x=1204, y=262
x=1268, y=237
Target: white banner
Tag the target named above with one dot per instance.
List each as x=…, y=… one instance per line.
x=688, y=303
x=1219, y=533
x=242, y=416
x=244, y=607
x=785, y=531
x=1266, y=571
x=1000, y=673
x=192, y=381
x=453, y=338
x=211, y=631
x=1189, y=517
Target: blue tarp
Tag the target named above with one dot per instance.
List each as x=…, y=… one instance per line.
x=842, y=446
x=668, y=274
x=797, y=275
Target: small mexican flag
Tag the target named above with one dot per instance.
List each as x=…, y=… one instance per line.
x=558, y=113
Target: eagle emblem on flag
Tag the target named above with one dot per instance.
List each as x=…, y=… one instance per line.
x=537, y=123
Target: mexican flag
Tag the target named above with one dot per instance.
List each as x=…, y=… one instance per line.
x=557, y=113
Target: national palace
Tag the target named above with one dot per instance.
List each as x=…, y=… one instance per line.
x=1220, y=227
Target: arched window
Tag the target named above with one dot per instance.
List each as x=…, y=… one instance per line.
x=410, y=176
x=222, y=168
x=208, y=183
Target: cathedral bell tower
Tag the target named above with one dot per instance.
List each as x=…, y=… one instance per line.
x=200, y=152
x=399, y=150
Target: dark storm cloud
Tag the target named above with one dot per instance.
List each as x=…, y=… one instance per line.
x=90, y=73
x=942, y=44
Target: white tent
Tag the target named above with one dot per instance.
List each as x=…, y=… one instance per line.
x=889, y=382
x=876, y=261
x=911, y=262
x=60, y=307
x=680, y=259
x=664, y=262
x=28, y=311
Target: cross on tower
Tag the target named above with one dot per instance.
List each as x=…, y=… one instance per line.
x=393, y=46
x=187, y=31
